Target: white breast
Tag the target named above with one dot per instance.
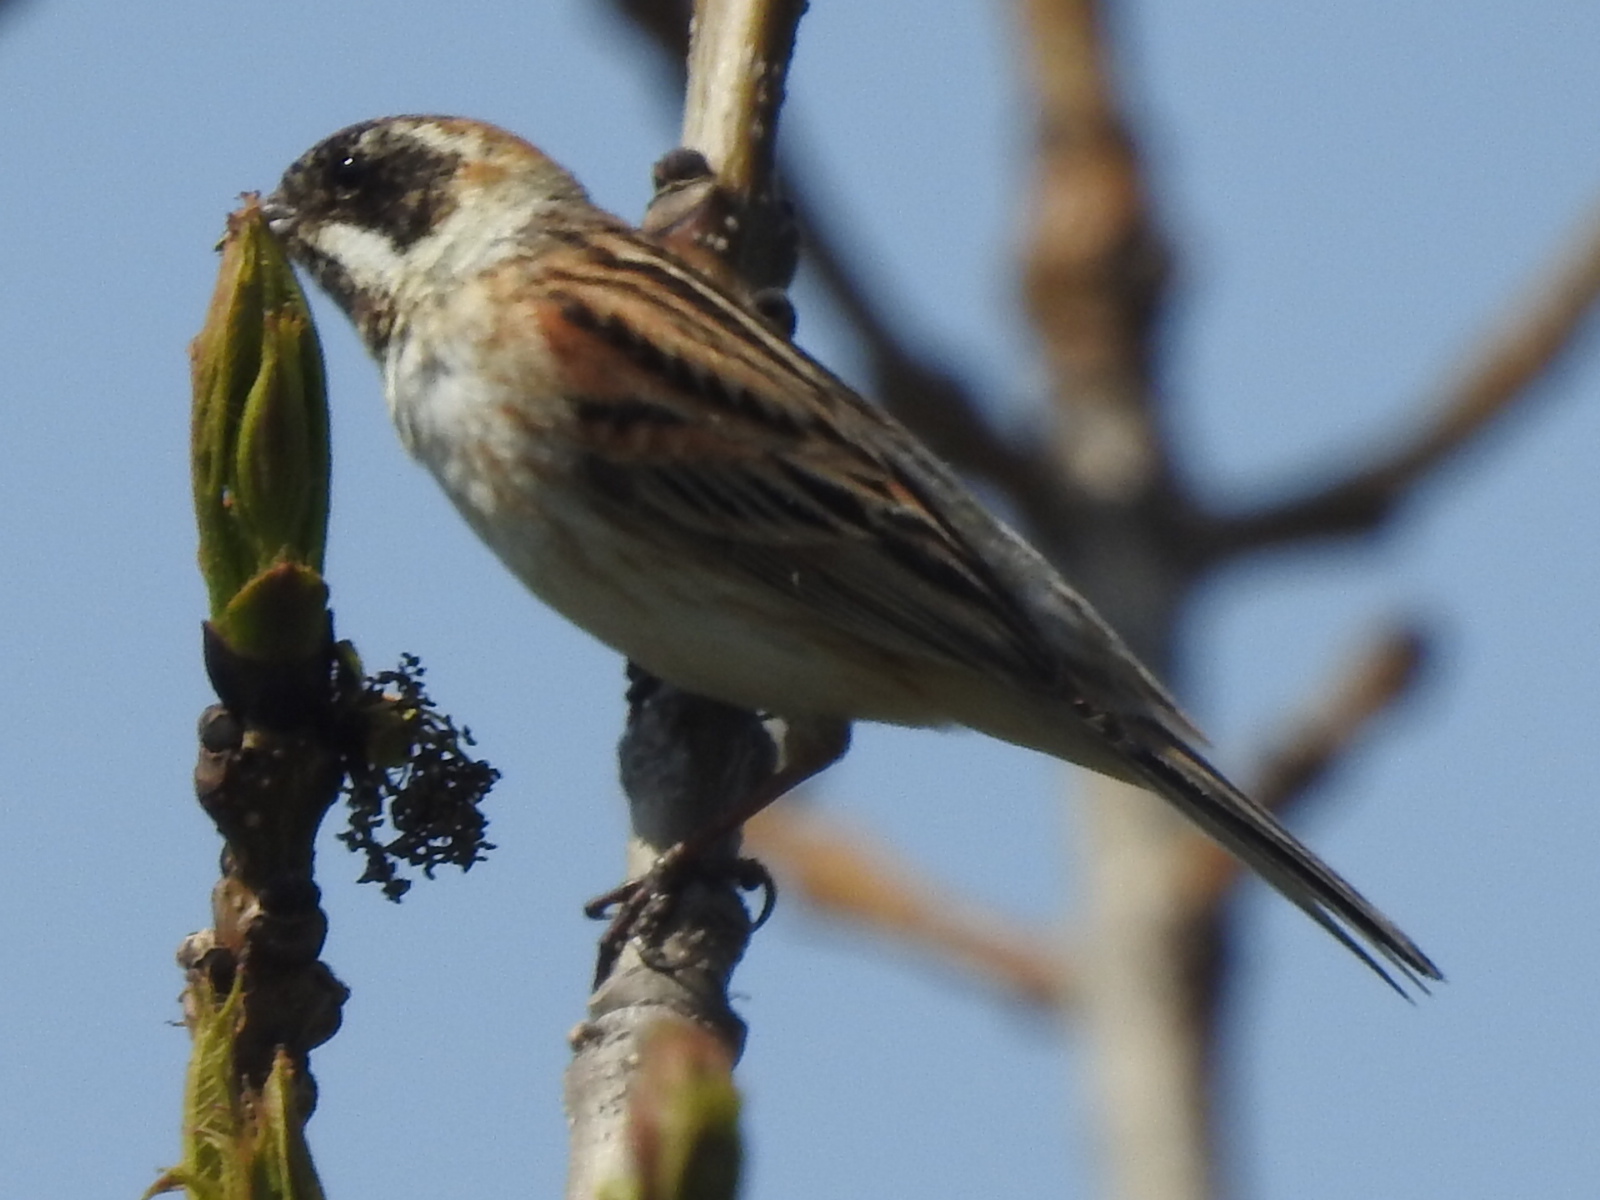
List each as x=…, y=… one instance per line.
x=705, y=630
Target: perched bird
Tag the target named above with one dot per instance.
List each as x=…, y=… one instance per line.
x=657, y=464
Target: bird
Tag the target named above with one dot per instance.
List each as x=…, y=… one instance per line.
x=661, y=466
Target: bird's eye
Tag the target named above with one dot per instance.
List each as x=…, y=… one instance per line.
x=348, y=173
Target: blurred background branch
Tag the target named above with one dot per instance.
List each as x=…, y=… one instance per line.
x=1531, y=338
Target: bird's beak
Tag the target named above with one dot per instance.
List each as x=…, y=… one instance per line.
x=279, y=214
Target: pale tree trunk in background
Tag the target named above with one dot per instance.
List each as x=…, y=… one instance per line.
x=1095, y=276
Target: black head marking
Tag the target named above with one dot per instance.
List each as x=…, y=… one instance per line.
x=379, y=175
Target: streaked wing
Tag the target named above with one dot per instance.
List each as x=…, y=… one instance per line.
x=725, y=439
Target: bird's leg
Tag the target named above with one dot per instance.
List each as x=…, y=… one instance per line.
x=805, y=747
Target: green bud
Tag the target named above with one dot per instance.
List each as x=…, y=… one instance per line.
x=276, y=487
x=279, y=615
x=259, y=438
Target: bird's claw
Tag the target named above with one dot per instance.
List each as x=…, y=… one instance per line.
x=639, y=909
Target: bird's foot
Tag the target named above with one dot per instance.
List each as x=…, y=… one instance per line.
x=640, y=908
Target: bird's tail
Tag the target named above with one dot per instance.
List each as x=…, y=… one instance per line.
x=1251, y=832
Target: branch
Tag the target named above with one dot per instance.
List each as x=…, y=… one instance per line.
x=739, y=55
x=1531, y=339
x=685, y=760
x=272, y=757
x=845, y=877
x=1315, y=745
x=716, y=195
x=1097, y=265
x=688, y=762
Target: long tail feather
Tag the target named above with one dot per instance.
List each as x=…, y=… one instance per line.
x=1252, y=833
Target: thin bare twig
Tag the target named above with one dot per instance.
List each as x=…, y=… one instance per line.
x=1527, y=344
x=738, y=62
x=846, y=877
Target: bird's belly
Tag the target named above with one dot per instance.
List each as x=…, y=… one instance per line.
x=710, y=634
x=700, y=627
x=687, y=619
x=705, y=630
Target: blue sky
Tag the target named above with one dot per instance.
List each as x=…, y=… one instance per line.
x=1356, y=191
